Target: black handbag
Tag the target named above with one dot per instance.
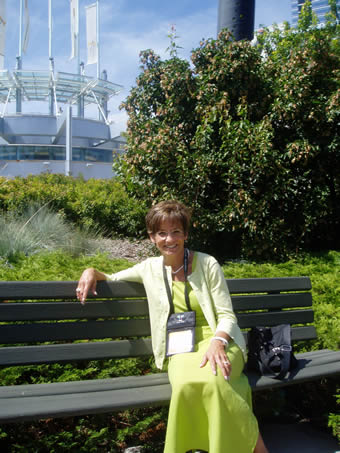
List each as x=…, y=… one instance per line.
x=270, y=351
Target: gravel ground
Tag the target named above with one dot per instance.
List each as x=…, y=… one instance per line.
x=132, y=250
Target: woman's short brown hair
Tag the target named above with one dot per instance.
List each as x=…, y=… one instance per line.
x=168, y=210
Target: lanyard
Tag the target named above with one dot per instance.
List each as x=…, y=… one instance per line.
x=167, y=286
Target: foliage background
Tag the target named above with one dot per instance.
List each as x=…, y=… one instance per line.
x=248, y=136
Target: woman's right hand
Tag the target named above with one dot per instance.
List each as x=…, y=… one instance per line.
x=87, y=282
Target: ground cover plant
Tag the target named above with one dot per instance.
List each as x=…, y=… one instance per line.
x=114, y=432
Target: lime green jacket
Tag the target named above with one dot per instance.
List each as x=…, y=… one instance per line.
x=208, y=283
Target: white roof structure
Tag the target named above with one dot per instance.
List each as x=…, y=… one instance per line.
x=66, y=88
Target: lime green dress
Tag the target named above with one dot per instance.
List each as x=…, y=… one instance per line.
x=206, y=411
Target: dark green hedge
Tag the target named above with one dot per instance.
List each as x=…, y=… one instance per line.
x=101, y=204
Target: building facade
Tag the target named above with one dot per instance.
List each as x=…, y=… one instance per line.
x=63, y=140
x=320, y=8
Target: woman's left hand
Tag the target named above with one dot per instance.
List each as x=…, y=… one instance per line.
x=216, y=355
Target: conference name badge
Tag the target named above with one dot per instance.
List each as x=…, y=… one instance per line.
x=181, y=333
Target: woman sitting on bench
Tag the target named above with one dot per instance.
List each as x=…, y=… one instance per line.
x=192, y=323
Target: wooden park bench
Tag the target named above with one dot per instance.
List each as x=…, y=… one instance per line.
x=42, y=323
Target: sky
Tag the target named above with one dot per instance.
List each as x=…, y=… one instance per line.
x=126, y=28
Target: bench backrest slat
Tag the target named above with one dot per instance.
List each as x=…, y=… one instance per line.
x=268, y=285
x=66, y=290
x=74, y=352
x=99, y=350
x=274, y=318
x=303, y=333
x=271, y=301
x=67, y=331
x=40, y=332
x=38, y=312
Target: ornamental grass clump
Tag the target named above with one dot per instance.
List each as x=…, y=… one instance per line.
x=40, y=229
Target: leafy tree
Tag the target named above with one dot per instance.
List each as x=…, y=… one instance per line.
x=161, y=123
x=304, y=67
x=247, y=136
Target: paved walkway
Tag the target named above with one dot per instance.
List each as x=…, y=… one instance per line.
x=298, y=438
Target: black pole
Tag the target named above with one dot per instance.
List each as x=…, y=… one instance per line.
x=238, y=17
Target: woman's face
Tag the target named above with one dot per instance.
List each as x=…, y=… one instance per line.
x=170, y=237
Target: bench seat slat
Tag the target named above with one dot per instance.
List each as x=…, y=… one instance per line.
x=39, y=401
x=308, y=359
x=316, y=369
x=65, y=331
x=85, y=386
x=317, y=359
x=320, y=352
x=38, y=311
x=100, y=402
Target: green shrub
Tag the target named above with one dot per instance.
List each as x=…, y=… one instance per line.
x=99, y=205
x=94, y=434
x=334, y=419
